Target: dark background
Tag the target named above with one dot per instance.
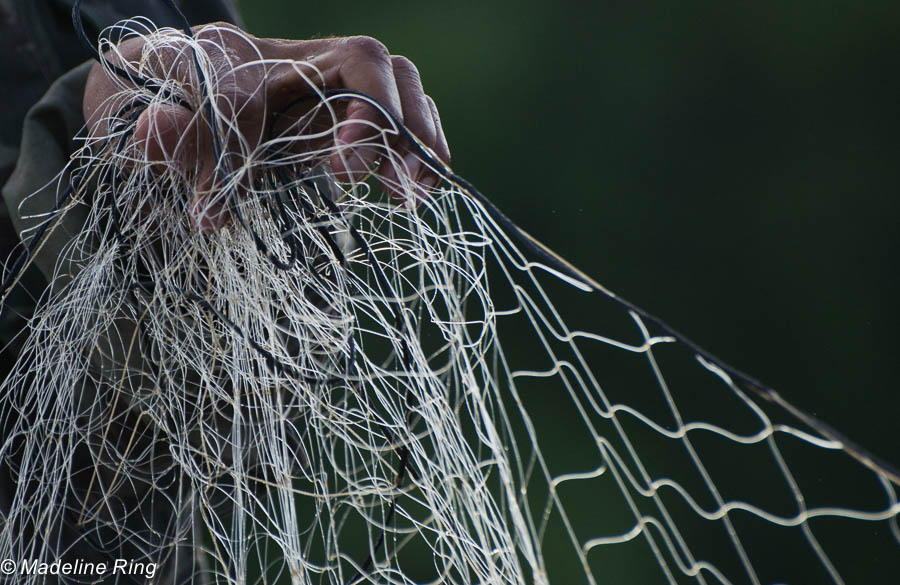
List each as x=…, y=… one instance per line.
x=732, y=167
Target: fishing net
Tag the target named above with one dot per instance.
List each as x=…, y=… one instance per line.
x=339, y=388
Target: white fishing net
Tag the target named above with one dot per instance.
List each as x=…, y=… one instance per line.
x=338, y=388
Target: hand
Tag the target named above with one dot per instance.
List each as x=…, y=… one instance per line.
x=253, y=93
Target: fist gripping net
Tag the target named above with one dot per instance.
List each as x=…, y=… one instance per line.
x=338, y=388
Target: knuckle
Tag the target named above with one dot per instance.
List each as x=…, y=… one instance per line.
x=212, y=27
x=249, y=103
x=246, y=109
x=405, y=70
x=403, y=64
x=367, y=48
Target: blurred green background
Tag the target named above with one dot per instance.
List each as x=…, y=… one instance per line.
x=732, y=167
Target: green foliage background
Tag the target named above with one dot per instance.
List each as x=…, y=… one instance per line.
x=733, y=167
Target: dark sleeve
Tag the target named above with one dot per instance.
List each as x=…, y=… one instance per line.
x=38, y=44
x=47, y=143
x=39, y=47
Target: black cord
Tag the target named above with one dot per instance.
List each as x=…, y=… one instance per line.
x=544, y=255
x=528, y=244
x=133, y=78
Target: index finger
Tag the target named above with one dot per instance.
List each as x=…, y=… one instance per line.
x=368, y=69
x=360, y=64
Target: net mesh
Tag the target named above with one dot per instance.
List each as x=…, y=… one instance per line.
x=337, y=388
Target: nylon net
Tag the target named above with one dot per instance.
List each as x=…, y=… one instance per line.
x=337, y=388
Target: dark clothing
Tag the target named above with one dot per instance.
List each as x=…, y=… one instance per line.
x=42, y=57
x=39, y=45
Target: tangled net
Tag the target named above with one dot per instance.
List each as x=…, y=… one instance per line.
x=318, y=392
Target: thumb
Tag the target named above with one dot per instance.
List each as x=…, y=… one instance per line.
x=169, y=136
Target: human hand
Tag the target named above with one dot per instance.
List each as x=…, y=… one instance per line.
x=257, y=78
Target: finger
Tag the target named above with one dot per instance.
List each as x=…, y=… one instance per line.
x=441, y=148
x=367, y=68
x=416, y=117
x=356, y=152
x=208, y=207
x=168, y=135
x=416, y=114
